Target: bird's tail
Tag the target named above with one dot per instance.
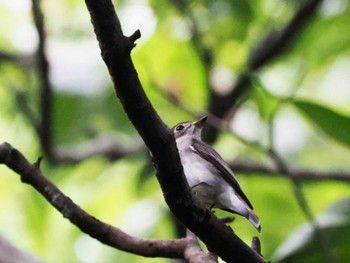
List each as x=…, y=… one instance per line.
x=254, y=220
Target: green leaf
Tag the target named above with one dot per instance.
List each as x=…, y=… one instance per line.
x=304, y=246
x=266, y=102
x=79, y=117
x=319, y=48
x=332, y=123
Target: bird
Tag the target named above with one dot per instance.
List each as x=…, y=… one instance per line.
x=210, y=179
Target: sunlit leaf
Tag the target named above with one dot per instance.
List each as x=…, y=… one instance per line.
x=67, y=116
x=323, y=39
x=78, y=117
x=334, y=124
x=265, y=101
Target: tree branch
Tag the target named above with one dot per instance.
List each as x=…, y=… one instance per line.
x=23, y=60
x=256, y=245
x=10, y=253
x=246, y=167
x=107, y=234
x=100, y=146
x=194, y=253
x=240, y=166
x=272, y=45
x=115, y=50
x=249, y=167
x=46, y=96
x=30, y=173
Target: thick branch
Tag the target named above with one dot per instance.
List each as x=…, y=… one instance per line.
x=107, y=234
x=272, y=45
x=115, y=49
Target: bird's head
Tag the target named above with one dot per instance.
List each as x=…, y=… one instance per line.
x=192, y=129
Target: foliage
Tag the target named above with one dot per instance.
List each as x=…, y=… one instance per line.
x=302, y=244
x=298, y=105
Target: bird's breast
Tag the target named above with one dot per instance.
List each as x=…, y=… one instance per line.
x=197, y=170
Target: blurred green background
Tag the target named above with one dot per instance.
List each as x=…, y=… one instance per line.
x=299, y=103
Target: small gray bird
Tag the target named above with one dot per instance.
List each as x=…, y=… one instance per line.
x=209, y=177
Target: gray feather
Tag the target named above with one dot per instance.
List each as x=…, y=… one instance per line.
x=210, y=155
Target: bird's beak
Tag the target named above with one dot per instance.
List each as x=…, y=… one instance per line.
x=199, y=124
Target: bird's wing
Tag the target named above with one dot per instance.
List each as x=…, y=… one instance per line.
x=210, y=155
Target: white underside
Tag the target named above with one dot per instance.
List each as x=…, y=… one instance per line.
x=206, y=181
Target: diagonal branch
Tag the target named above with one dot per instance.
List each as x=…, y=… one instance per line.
x=115, y=50
x=194, y=251
x=272, y=45
x=107, y=234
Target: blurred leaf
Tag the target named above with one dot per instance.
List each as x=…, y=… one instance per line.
x=166, y=68
x=302, y=245
x=78, y=117
x=146, y=173
x=326, y=37
x=266, y=102
x=332, y=123
x=68, y=124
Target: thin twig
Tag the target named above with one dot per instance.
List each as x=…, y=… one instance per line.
x=25, y=61
x=103, y=145
x=249, y=167
x=46, y=96
x=283, y=168
x=321, y=236
x=23, y=106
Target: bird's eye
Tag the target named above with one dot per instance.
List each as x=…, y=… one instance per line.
x=180, y=127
